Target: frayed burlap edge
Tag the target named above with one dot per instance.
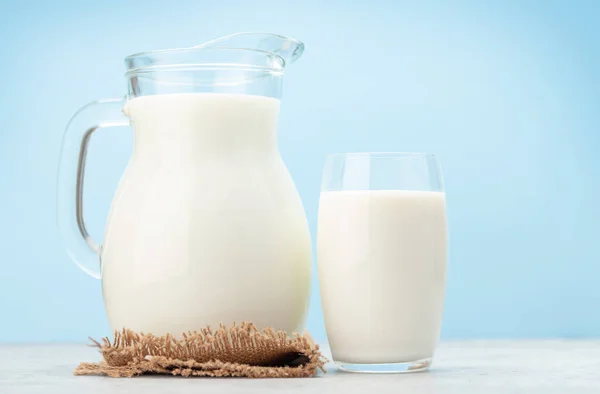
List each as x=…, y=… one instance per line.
x=236, y=351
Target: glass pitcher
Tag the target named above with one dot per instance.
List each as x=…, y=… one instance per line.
x=206, y=226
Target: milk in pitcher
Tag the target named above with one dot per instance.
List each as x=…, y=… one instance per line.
x=206, y=226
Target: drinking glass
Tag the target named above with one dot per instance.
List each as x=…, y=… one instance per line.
x=382, y=256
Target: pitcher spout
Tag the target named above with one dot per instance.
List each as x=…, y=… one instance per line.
x=287, y=48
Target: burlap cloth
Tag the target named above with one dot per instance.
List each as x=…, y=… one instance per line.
x=236, y=351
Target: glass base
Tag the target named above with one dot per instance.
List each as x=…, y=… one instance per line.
x=407, y=367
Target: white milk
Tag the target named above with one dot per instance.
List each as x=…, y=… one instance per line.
x=206, y=226
x=382, y=267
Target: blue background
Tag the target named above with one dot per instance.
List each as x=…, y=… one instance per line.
x=506, y=92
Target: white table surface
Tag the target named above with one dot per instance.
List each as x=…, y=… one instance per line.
x=567, y=367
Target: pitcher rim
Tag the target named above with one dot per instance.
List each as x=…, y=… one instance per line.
x=134, y=69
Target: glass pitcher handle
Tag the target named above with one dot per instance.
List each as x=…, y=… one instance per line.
x=82, y=249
